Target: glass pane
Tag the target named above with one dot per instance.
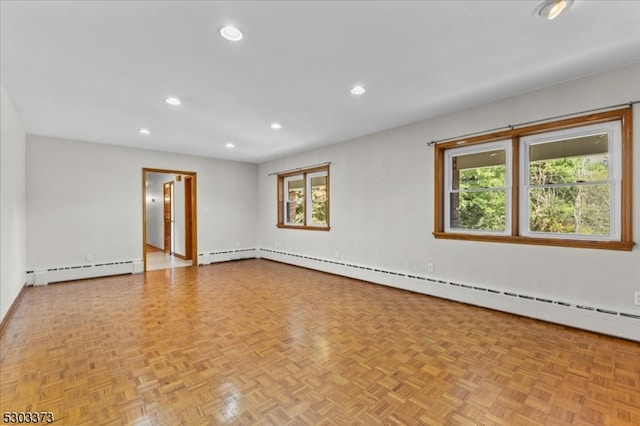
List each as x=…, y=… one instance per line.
x=319, y=200
x=479, y=170
x=319, y=213
x=580, y=209
x=295, y=201
x=583, y=159
x=295, y=212
x=319, y=182
x=484, y=210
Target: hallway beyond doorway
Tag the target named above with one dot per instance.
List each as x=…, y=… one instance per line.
x=159, y=260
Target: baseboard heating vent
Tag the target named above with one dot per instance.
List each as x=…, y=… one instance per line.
x=79, y=272
x=526, y=298
x=586, y=308
x=226, y=256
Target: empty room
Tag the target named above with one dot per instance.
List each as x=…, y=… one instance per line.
x=320, y=212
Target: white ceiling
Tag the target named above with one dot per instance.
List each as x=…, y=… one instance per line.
x=99, y=70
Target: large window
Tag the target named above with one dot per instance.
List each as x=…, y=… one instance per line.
x=565, y=183
x=303, y=199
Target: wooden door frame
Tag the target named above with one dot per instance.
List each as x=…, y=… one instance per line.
x=193, y=205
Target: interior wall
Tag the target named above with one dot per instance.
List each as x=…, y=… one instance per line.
x=12, y=204
x=382, y=205
x=86, y=198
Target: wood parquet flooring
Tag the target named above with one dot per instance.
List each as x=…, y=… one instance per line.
x=261, y=343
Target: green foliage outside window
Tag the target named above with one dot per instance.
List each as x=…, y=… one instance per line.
x=566, y=202
x=571, y=196
x=319, y=200
x=484, y=209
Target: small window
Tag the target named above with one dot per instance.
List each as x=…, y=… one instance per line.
x=478, y=189
x=303, y=199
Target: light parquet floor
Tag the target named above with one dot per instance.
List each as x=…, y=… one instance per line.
x=261, y=343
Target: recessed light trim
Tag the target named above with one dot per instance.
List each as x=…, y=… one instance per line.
x=231, y=33
x=229, y=145
x=144, y=131
x=276, y=126
x=171, y=100
x=358, y=90
x=551, y=9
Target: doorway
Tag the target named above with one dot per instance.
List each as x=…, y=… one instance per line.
x=169, y=218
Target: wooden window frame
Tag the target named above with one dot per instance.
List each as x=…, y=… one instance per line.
x=625, y=242
x=281, y=198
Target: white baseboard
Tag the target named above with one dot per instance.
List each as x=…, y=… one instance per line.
x=69, y=273
x=208, y=258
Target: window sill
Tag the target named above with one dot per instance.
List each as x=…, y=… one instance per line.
x=557, y=242
x=308, y=228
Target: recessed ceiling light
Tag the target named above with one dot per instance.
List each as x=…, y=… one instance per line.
x=358, y=90
x=231, y=33
x=276, y=126
x=229, y=145
x=551, y=9
x=144, y=131
x=172, y=101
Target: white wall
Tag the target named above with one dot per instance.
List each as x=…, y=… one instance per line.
x=382, y=214
x=12, y=204
x=87, y=198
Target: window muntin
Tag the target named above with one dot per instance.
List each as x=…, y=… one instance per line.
x=478, y=188
x=572, y=185
x=303, y=199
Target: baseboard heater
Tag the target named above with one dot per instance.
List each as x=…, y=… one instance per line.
x=602, y=319
x=79, y=272
x=227, y=255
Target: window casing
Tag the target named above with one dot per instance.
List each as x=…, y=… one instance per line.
x=567, y=183
x=303, y=199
